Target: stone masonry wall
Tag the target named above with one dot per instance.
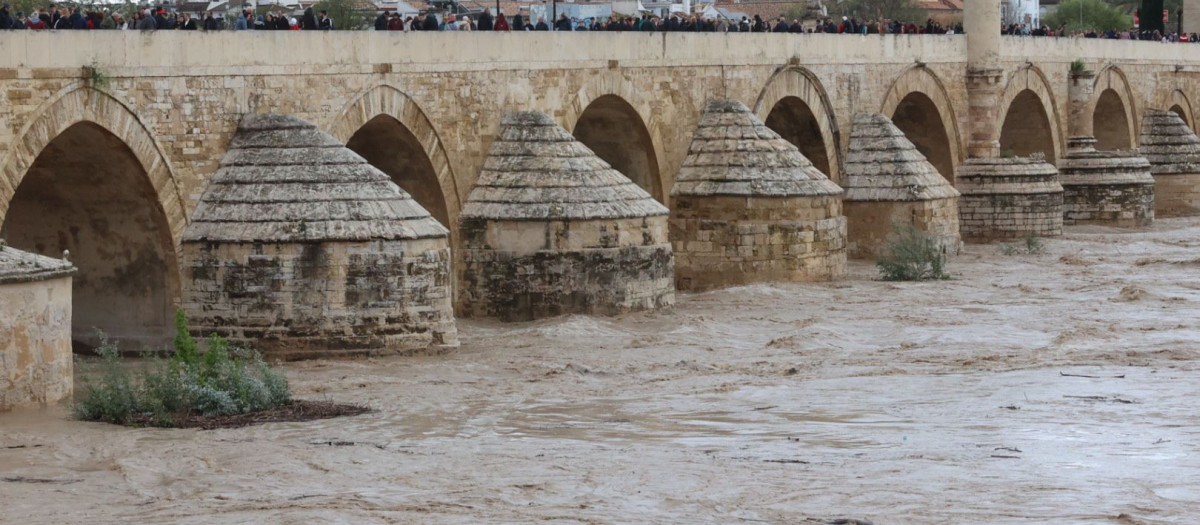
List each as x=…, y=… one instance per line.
x=35, y=342
x=724, y=241
x=872, y=222
x=292, y=300
x=603, y=267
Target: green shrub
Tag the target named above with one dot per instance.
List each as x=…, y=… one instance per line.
x=1030, y=245
x=224, y=380
x=912, y=255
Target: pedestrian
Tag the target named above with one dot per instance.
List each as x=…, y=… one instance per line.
x=501, y=23
x=486, y=22
x=309, y=20
x=381, y=22
x=324, y=22
x=146, y=22
x=541, y=25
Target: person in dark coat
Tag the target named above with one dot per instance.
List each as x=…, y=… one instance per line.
x=309, y=20
x=187, y=23
x=485, y=22
x=563, y=23
x=431, y=22
x=63, y=20
x=6, y=19
x=541, y=25
x=518, y=22
x=781, y=26
x=324, y=22
x=381, y=21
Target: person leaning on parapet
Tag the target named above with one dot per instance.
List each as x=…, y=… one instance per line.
x=210, y=22
x=381, y=21
x=485, y=21
x=563, y=23
x=324, y=22
x=6, y=18
x=501, y=23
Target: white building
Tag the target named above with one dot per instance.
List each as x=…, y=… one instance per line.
x=1025, y=12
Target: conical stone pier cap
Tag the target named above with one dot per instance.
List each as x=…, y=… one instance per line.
x=883, y=165
x=283, y=180
x=535, y=170
x=1169, y=144
x=734, y=153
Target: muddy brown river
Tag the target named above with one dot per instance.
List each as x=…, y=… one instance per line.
x=937, y=402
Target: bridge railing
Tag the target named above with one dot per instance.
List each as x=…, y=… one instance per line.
x=1047, y=49
x=459, y=50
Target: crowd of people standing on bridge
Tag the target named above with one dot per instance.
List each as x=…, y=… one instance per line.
x=649, y=23
x=149, y=19
x=1111, y=34
x=152, y=19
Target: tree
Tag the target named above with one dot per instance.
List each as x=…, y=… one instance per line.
x=1097, y=15
x=348, y=14
x=902, y=10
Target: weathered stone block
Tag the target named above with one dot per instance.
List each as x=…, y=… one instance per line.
x=36, y=364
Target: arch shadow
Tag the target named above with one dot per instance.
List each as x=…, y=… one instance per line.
x=804, y=86
x=919, y=104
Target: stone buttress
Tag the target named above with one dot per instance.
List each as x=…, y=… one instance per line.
x=299, y=248
x=1114, y=188
x=551, y=229
x=36, y=364
x=1009, y=198
x=748, y=207
x=1174, y=155
x=888, y=182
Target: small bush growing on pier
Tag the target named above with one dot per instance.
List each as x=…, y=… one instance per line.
x=1030, y=245
x=1078, y=67
x=912, y=255
x=224, y=380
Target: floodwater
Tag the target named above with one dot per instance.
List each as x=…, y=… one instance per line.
x=939, y=402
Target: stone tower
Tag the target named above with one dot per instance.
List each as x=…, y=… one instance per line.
x=748, y=207
x=1105, y=187
x=1009, y=198
x=551, y=229
x=889, y=182
x=1174, y=155
x=299, y=248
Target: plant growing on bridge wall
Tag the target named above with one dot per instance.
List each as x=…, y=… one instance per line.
x=95, y=77
x=1078, y=67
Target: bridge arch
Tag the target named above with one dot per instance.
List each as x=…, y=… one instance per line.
x=1113, y=111
x=86, y=175
x=795, y=105
x=390, y=130
x=918, y=104
x=1177, y=102
x=1030, y=123
x=601, y=116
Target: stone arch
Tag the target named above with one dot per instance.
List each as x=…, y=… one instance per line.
x=1177, y=102
x=1112, y=110
x=1030, y=116
x=806, y=111
x=918, y=104
x=608, y=103
x=86, y=176
x=78, y=103
x=390, y=117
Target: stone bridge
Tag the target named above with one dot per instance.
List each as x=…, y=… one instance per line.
x=108, y=138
